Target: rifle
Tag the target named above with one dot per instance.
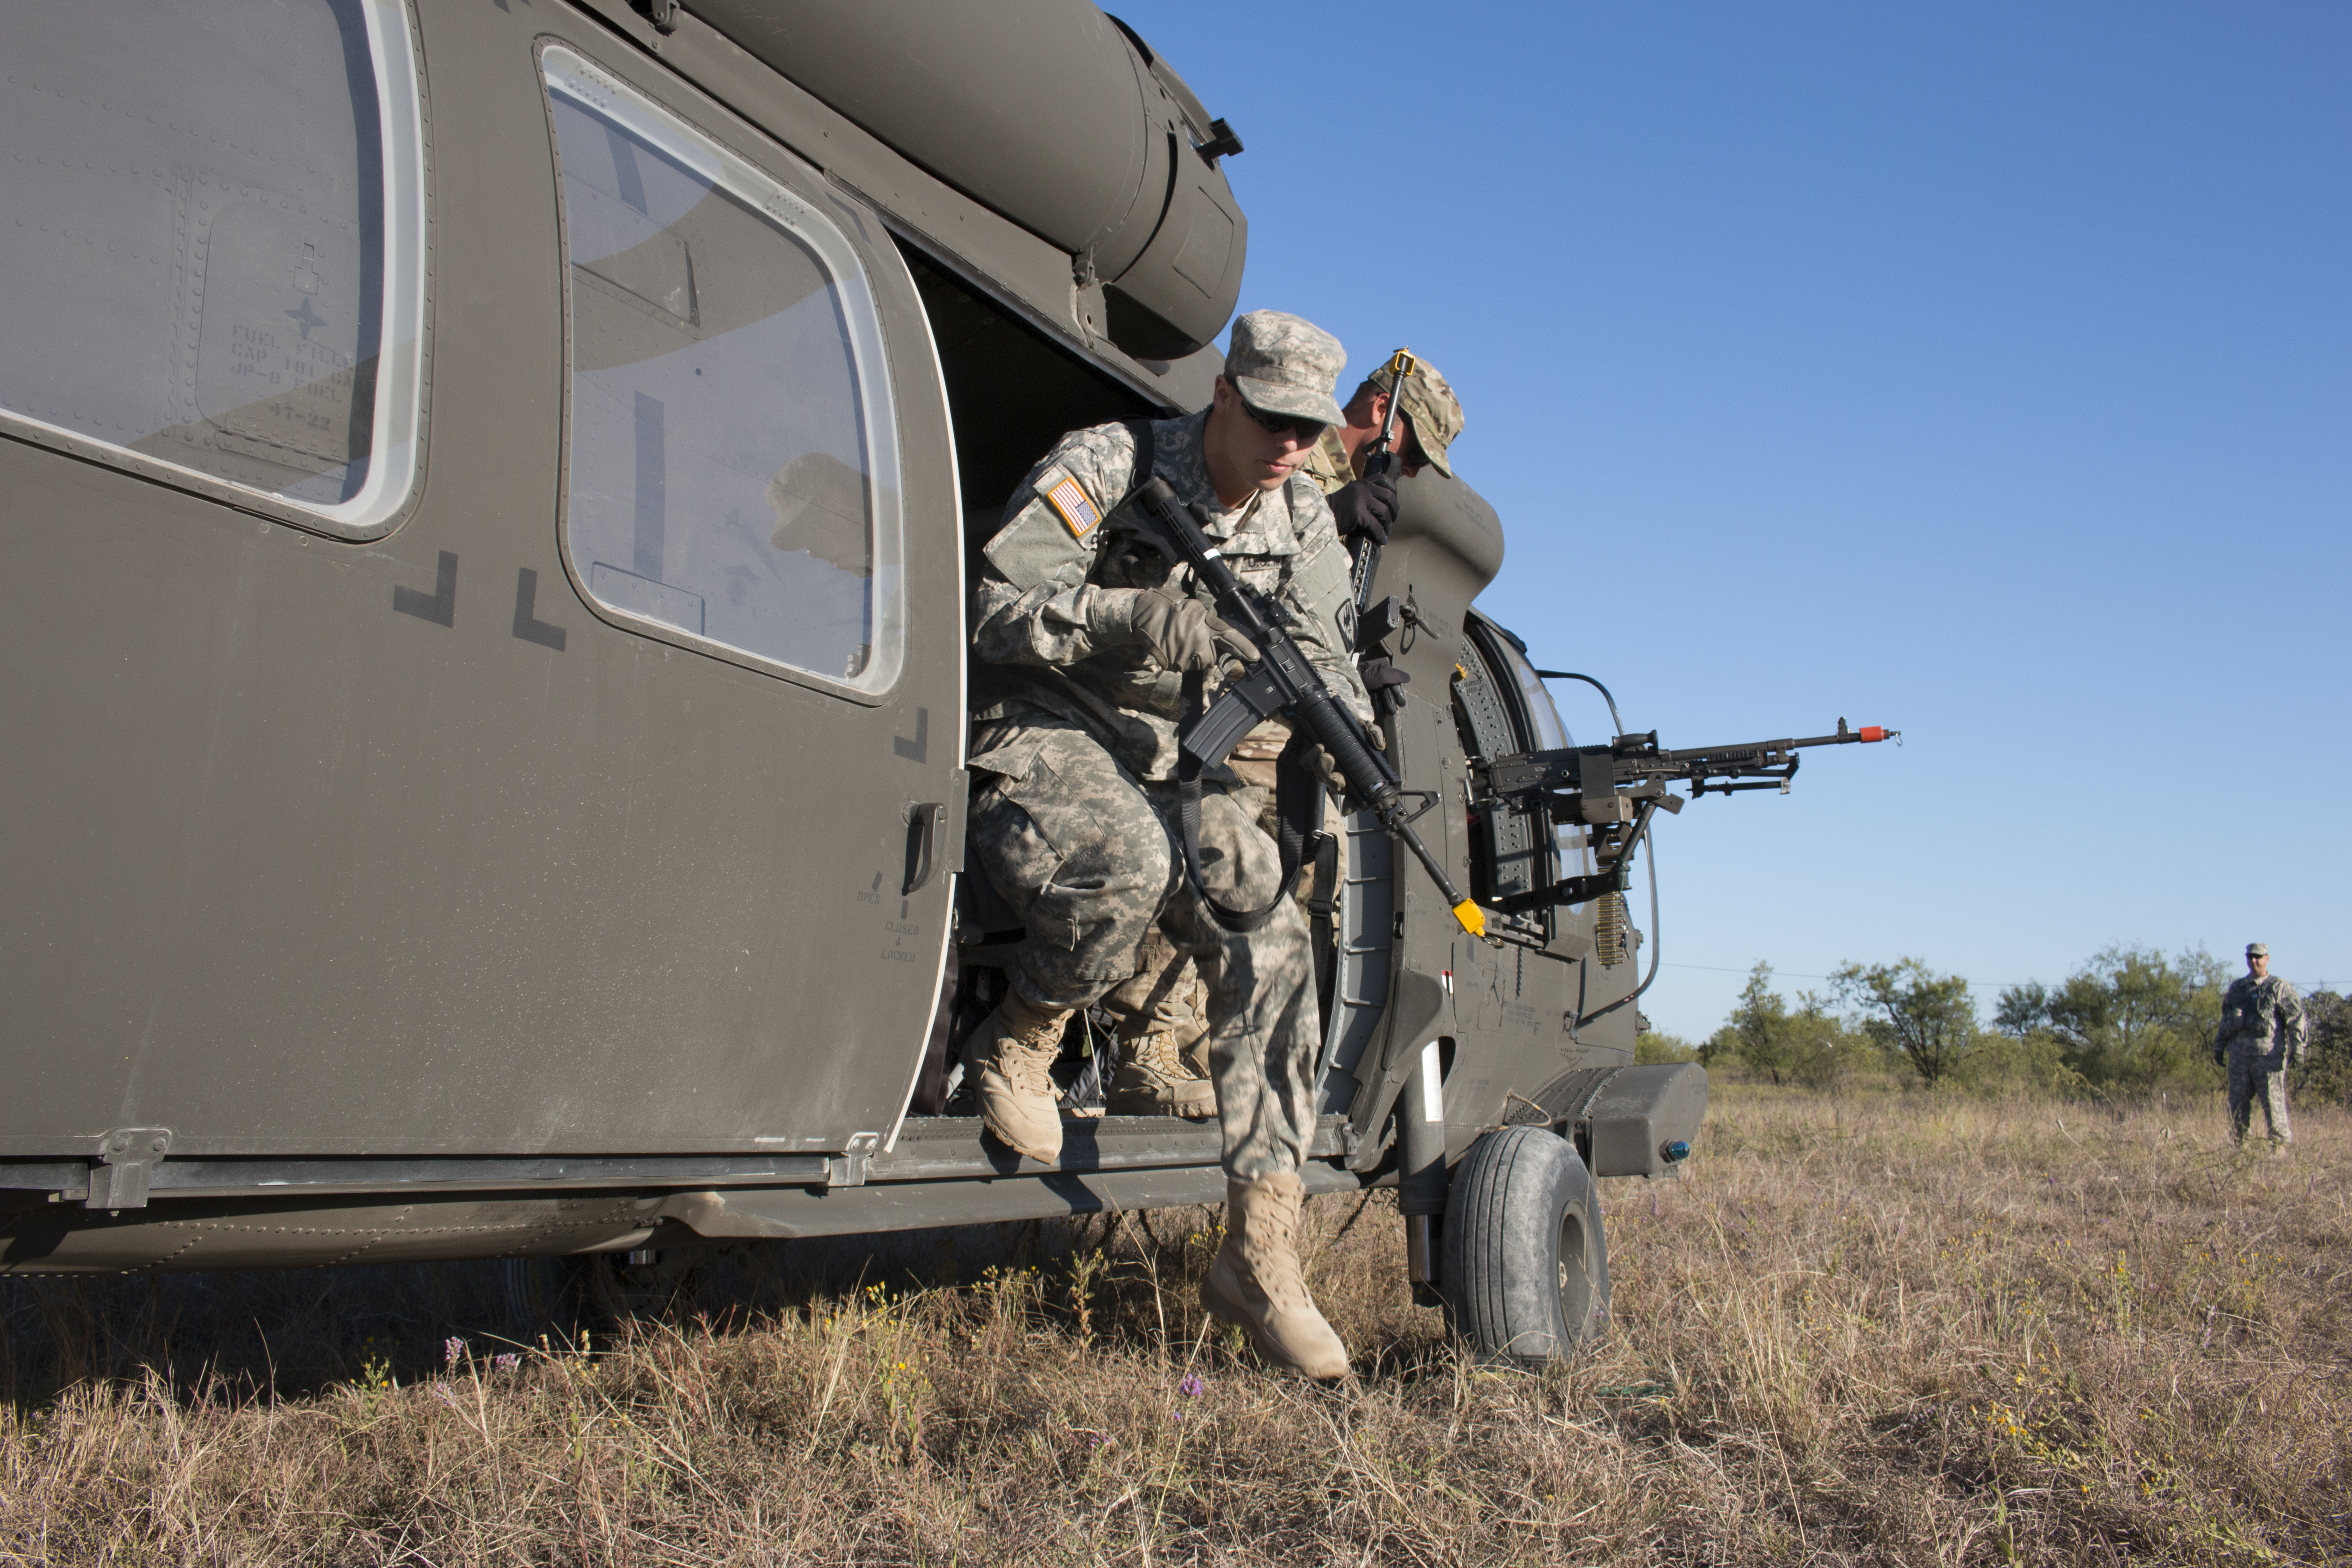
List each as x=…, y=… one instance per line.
x=1614, y=790
x=1366, y=557
x=1282, y=680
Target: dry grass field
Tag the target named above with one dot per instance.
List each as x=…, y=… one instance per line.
x=1898, y=1329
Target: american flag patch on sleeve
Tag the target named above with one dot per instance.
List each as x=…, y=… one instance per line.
x=1079, y=514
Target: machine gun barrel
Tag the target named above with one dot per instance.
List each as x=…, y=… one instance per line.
x=1283, y=680
x=1844, y=737
x=1637, y=760
x=1766, y=762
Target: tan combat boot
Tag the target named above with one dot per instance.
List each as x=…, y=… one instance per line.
x=1255, y=1282
x=1192, y=1049
x=1012, y=1052
x=1153, y=1079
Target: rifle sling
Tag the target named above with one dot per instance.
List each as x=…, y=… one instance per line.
x=1320, y=910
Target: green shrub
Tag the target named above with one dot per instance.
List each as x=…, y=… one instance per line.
x=1652, y=1047
x=2326, y=1071
x=1805, y=1045
x=2130, y=1021
x=1914, y=1014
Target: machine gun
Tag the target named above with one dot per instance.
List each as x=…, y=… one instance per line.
x=1282, y=680
x=1614, y=791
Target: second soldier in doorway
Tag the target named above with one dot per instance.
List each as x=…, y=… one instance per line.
x=1083, y=638
x=1429, y=419
x=2263, y=1031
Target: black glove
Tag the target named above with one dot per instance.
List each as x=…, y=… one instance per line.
x=1380, y=679
x=1368, y=507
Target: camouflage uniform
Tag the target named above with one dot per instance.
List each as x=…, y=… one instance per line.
x=1077, y=827
x=1429, y=402
x=1328, y=465
x=1177, y=998
x=2264, y=1028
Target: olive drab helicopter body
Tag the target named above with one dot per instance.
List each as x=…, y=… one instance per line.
x=490, y=485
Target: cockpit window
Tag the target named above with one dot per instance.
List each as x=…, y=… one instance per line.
x=214, y=246
x=732, y=473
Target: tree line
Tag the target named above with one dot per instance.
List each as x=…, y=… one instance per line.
x=2131, y=1021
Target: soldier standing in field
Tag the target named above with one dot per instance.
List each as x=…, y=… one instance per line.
x=1163, y=1006
x=1083, y=641
x=2263, y=1031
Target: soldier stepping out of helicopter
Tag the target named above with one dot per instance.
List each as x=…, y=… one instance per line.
x=1162, y=1012
x=1082, y=645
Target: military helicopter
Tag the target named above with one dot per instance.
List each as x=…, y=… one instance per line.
x=490, y=487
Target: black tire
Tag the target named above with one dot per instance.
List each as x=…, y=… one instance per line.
x=1523, y=1260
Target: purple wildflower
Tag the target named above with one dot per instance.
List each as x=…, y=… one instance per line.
x=506, y=1361
x=441, y=1392
x=453, y=1351
x=1193, y=1387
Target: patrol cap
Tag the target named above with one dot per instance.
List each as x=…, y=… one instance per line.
x=1284, y=364
x=1435, y=412
x=2256, y=949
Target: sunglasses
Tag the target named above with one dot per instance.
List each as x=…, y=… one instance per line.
x=1279, y=424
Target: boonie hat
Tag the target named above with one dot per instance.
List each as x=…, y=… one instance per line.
x=1285, y=364
x=1430, y=402
x=2256, y=949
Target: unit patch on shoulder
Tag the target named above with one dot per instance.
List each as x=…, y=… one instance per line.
x=1077, y=508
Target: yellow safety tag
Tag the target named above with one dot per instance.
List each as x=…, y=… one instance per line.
x=1472, y=917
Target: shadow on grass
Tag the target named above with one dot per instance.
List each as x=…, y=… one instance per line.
x=283, y=1333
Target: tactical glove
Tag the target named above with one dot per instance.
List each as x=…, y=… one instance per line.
x=1381, y=679
x=1231, y=642
x=1368, y=507
x=1174, y=629
x=1323, y=768
x=1180, y=632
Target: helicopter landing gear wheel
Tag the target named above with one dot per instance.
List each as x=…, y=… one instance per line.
x=1524, y=1260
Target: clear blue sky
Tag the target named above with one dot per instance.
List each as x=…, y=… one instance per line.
x=1984, y=371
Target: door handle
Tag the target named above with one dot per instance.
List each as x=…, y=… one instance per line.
x=926, y=825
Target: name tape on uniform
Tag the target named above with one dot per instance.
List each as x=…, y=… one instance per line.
x=1077, y=508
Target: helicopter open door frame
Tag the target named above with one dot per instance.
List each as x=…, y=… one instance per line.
x=400, y=814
